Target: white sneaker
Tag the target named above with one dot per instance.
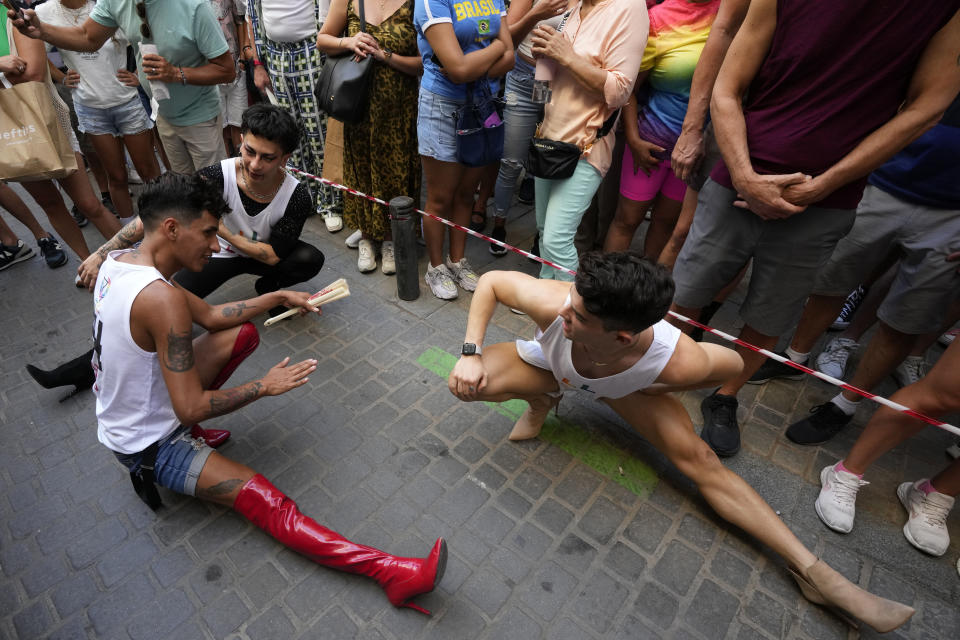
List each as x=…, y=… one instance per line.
x=334, y=221
x=463, y=274
x=833, y=359
x=441, y=282
x=837, y=503
x=947, y=339
x=388, y=264
x=353, y=240
x=911, y=370
x=926, y=527
x=367, y=257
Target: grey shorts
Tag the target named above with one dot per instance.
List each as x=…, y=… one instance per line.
x=787, y=254
x=925, y=283
x=711, y=156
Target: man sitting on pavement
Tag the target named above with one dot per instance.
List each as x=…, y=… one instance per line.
x=604, y=335
x=153, y=379
x=912, y=206
x=260, y=234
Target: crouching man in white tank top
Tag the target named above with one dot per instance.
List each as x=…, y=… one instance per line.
x=605, y=336
x=153, y=380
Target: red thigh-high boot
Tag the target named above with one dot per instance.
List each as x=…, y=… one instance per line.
x=245, y=344
x=402, y=578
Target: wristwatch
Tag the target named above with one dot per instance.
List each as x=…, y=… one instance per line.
x=387, y=54
x=469, y=349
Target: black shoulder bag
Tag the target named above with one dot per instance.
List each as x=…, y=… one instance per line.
x=555, y=160
x=343, y=88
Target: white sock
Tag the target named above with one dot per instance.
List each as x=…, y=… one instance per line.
x=847, y=406
x=796, y=356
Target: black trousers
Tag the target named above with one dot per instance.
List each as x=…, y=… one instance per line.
x=303, y=263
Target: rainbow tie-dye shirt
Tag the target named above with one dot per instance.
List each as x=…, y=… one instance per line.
x=678, y=31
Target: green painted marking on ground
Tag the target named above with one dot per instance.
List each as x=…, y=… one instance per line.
x=608, y=460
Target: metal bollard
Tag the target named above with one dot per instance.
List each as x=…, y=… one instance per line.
x=403, y=225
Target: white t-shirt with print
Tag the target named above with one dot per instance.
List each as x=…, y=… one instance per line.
x=99, y=87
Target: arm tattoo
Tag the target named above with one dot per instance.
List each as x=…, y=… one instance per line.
x=179, y=356
x=220, y=489
x=230, y=399
x=124, y=238
x=236, y=309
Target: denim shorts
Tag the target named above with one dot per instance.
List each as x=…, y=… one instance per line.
x=125, y=119
x=436, y=128
x=180, y=459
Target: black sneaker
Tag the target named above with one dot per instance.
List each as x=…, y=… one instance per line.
x=498, y=233
x=824, y=422
x=772, y=369
x=720, y=427
x=52, y=252
x=11, y=255
x=850, y=306
x=526, y=193
x=80, y=219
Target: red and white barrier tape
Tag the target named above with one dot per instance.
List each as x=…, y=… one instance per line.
x=726, y=336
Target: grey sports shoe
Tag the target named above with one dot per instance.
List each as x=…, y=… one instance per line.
x=463, y=274
x=912, y=369
x=833, y=359
x=11, y=255
x=441, y=282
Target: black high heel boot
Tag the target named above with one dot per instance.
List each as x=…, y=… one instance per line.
x=77, y=372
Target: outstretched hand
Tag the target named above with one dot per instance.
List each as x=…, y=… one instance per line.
x=285, y=376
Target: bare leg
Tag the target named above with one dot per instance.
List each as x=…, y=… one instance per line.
x=691, y=312
x=511, y=377
x=488, y=179
x=628, y=217
x=462, y=208
x=663, y=421
x=668, y=256
x=110, y=149
x=47, y=196
x=158, y=145
x=936, y=394
x=78, y=188
x=7, y=236
x=441, y=178
x=751, y=359
x=10, y=201
x=663, y=219
x=212, y=352
x=886, y=350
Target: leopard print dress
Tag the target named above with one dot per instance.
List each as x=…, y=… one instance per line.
x=380, y=153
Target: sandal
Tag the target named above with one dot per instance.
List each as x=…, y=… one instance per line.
x=478, y=220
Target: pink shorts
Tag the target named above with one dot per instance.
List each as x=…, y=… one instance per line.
x=641, y=187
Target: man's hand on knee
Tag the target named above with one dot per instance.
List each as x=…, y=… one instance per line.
x=468, y=378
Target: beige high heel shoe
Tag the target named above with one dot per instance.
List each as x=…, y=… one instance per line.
x=822, y=585
x=531, y=422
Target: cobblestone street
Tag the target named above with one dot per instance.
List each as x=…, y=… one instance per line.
x=583, y=533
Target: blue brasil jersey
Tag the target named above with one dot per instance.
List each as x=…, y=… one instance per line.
x=476, y=23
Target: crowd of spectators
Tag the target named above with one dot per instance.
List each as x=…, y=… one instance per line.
x=810, y=144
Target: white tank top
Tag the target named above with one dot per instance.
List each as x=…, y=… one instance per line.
x=133, y=404
x=258, y=227
x=644, y=372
